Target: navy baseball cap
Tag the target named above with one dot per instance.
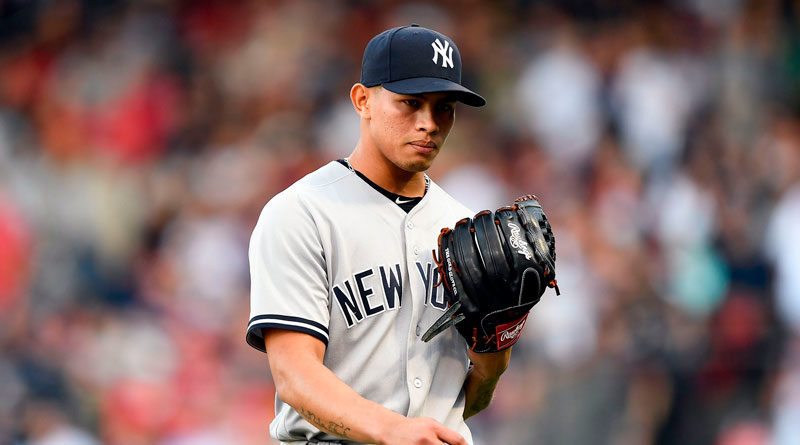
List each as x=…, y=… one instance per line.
x=415, y=60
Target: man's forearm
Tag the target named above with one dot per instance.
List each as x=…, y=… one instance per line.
x=325, y=401
x=328, y=403
x=350, y=417
x=482, y=380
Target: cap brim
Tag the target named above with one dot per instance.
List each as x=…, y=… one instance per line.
x=421, y=85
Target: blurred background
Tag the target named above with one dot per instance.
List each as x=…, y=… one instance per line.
x=140, y=139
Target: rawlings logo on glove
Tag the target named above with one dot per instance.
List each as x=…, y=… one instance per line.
x=517, y=242
x=495, y=268
x=508, y=334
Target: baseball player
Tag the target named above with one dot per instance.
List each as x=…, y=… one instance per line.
x=342, y=276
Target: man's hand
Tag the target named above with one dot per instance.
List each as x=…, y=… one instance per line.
x=494, y=268
x=420, y=431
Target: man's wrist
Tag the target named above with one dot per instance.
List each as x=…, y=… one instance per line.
x=490, y=365
x=387, y=424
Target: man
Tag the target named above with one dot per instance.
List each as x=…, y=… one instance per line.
x=343, y=280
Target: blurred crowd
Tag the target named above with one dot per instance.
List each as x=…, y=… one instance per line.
x=139, y=141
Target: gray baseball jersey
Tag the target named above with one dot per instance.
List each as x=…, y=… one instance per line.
x=334, y=258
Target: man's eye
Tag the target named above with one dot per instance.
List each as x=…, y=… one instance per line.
x=411, y=102
x=445, y=107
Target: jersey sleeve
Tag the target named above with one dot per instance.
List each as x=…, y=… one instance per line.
x=288, y=279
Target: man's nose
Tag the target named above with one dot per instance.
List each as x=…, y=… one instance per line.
x=426, y=120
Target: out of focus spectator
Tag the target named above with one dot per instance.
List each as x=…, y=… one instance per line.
x=45, y=424
x=559, y=94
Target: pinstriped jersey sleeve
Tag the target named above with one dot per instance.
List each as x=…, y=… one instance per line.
x=288, y=281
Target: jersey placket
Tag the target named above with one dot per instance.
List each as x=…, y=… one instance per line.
x=418, y=378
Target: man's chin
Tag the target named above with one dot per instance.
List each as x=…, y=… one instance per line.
x=418, y=166
x=421, y=162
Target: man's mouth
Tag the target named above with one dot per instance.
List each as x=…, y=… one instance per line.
x=423, y=145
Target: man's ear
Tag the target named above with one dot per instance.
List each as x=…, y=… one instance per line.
x=360, y=95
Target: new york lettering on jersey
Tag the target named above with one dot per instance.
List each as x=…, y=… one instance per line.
x=358, y=301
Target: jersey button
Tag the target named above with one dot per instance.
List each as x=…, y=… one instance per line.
x=410, y=225
x=417, y=383
x=417, y=330
x=416, y=250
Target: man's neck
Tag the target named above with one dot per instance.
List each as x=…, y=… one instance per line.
x=387, y=175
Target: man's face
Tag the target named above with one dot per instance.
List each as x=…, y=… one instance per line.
x=409, y=130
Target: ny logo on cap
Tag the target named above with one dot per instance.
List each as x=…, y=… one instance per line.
x=447, y=56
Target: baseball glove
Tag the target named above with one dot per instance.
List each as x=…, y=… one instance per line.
x=495, y=268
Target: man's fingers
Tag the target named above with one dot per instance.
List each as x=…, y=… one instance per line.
x=450, y=437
